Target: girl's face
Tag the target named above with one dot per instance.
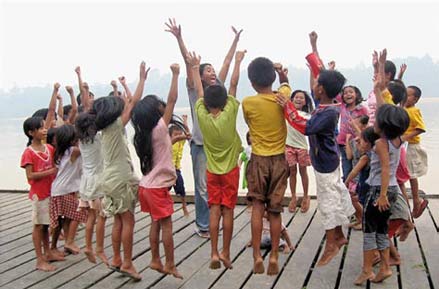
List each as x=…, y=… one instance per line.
x=209, y=75
x=349, y=96
x=299, y=100
x=363, y=145
x=39, y=134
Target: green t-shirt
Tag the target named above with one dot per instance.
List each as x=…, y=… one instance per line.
x=222, y=144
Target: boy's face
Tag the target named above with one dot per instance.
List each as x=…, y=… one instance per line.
x=411, y=98
x=209, y=75
x=317, y=89
x=176, y=133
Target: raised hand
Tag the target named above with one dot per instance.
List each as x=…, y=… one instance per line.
x=56, y=86
x=313, y=38
x=58, y=96
x=239, y=55
x=375, y=60
x=175, y=68
x=78, y=70
x=69, y=89
x=122, y=80
x=173, y=28
x=382, y=57
x=331, y=65
x=143, y=71
x=402, y=70
x=114, y=84
x=85, y=86
x=184, y=117
x=193, y=59
x=237, y=33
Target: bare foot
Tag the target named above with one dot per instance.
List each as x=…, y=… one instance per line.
x=292, y=205
x=329, y=253
x=101, y=255
x=376, y=260
x=226, y=261
x=273, y=266
x=57, y=252
x=72, y=249
x=286, y=249
x=185, y=212
x=363, y=277
x=215, y=263
x=52, y=257
x=157, y=266
x=44, y=266
x=381, y=276
x=304, y=207
x=341, y=242
x=172, y=270
x=394, y=261
x=405, y=230
x=258, y=266
x=131, y=273
x=90, y=255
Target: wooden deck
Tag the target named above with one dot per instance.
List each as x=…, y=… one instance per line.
x=419, y=268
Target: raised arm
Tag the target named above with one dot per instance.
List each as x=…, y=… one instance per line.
x=313, y=41
x=60, y=110
x=176, y=31
x=380, y=79
x=173, y=94
x=80, y=83
x=194, y=62
x=74, y=111
x=282, y=73
x=123, y=82
x=235, y=75
x=186, y=127
x=402, y=70
x=52, y=106
x=143, y=74
x=85, y=97
x=229, y=57
x=114, y=86
x=362, y=162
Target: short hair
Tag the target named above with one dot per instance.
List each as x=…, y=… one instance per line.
x=398, y=91
x=358, y=97
x=390, y=67
x=416, y=89
x=392, y=120
x=370, y=135
x=215, y=96
x=332, y=82
x=173, y=128
x=261, y=72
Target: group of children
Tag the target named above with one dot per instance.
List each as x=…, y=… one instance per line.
x=84, y=173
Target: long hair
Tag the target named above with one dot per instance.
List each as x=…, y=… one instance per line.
x=86, y=127
x=308, y=107
x=107, y=110
x=65, y=137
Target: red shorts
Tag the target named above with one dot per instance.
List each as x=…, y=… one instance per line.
x=157, y=202
x=297, y=156
x=223, y=189
x=402, y=171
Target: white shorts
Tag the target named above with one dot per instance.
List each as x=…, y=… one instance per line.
x=40, y=211
x=417, y=160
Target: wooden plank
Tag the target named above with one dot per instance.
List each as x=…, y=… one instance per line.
x=13, y=208
x=353, y=260
x=295, y=230
x=11, y=197
x=297, y=268
x=429, y=240
x=389, y=283
x=433, y=208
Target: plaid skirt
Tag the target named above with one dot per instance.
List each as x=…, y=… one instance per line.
x=66, y=206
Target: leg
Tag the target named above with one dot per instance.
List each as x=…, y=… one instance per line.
x=395, y=258
x=215, y=216
x=305, y=184
x=346, y=165
x=37, y=238
x=199, y=170
x=331, y=247
x=154, y=241
x=127, y=219
x=367, y=273
x=55, y=236
x=168, y=243
x=50, y=254
x=256, y=228
x=116, y=235
x=275, y=229
x=100, y=235
x=184, y=206
x=339, y=237
x=89, y=228
x=385, y=271
x=227, y=214
x=70, y=239
x=293, y=180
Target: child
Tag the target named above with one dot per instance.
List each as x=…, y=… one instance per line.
x=153, y=146
x=351, y=108
x=391, y=123
x=90, y=193
x=244, y=158
x=216, y=113
x=416, y=154
x=119, y=183
x=267, y=171
x=178, y=138
x=333, y=198
x=64, y=201
x=296, y=151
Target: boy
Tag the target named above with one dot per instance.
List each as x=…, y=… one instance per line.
x=267, y=171
x=216, y=113
x=334, y=201
x=416, y=154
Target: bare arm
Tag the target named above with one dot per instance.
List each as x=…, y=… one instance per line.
x=60, y=110
x=186, y=127
x=80, y=84
x=52, y=106
x=194, y=61
x=349, y=153
x=30, y=175
x=123, y=82
x=362, y=162
x=413, y=134
x=402, y=70
x=235, y=75
x=382, y=150
x=74, y=111
x=178, y=138
x=229, y=57
x=379, y=81
x=173, y=94
x=114, y=86
x=85, y=96
x=282, y=73
x=126, y=114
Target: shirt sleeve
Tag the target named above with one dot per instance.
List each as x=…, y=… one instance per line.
x=418, y=120
x=387, y=97
x=26, y=158
x=285, y=90
x=294, y=118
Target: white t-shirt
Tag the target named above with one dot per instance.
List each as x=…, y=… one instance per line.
x=68, y=178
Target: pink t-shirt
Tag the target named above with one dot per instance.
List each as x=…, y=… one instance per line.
x=163, y=173
x=345, y=117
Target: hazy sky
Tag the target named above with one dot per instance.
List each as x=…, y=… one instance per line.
x=42, y=42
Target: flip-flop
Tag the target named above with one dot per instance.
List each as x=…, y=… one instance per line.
x=114, y=268
x=129, y=275
x=421, y=210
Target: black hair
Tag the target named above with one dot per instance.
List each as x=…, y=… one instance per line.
x=78, y=97
x=107, y=110
x=65, y=137
x=112, y=93
x=215, y=96
x=144, y=117
x=392, y=120
x=32, y=124
x=332, y=82
x=364, y=119
x=309, y=104
x=417, y=90
x=172, y=128
x=42, y=112
x=398, y=91
x=261, y=72
x=51, y=136
x=390, y=67
x=247, y=137
x=86, y=127
x=358, y=97
x=370, y=135
x=67, y=109
x=202, y=67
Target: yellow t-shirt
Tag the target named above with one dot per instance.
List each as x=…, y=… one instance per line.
x=177, y=153
x=265, y=119
x=416, y=122
x=387, y=97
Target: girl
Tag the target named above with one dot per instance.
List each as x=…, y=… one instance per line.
x=296, y=151
x=153, y=146
x=64, y=201
x=351, y=108
x=118, y=180
x=391, y=123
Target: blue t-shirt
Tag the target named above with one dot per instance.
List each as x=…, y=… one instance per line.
x=323, y=148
